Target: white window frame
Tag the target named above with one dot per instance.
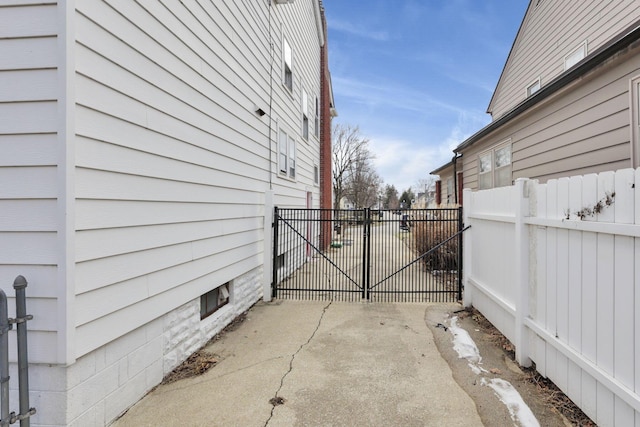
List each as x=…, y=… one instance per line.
x=316, y=174
x=317, y=119
x=286, y=155
x=634, y=95
x=305, y=115
x=492, y=153
x=213, y=300
x=450, y=190
x=575, y=56
x=533, y=87
x=287, y=65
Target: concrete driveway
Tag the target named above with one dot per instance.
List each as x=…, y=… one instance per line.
x=322, y=364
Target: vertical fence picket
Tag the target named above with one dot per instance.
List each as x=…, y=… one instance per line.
x=589, y=297
x=562, y=292
x=574, y=291
x=604, y=330
x=552, y=279
x=623, y=293
x=636, y=311
x=540, y=281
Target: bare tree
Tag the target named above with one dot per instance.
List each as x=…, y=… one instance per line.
x=425, y=186
x=363, y=184
x=349, y=149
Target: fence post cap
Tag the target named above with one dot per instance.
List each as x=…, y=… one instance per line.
x=20, y=282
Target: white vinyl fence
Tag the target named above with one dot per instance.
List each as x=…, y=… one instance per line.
x=556, y=268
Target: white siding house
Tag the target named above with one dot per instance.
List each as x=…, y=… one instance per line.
x=141, y=149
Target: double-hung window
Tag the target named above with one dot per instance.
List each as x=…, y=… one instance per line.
x=286, y=155
x=494, y=167
x=287, y=66
x=305, y=115
x=635, y=122
x=317, y=119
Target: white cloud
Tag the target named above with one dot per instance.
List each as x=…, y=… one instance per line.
x=402, y=163
x=349, y=28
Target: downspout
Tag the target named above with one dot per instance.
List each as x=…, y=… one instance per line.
x=455, y=176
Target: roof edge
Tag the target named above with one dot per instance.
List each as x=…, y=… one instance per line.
x=623, y=40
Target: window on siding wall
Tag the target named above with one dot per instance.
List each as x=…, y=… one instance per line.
x=635, y=122
x=287, y=66
x=287, y=155
x=316, y=174
x=494, y=167
x=305, y=115
x=316, y=123
x=449, y=190
x=576, y=56
x=533, y=87
x=213, y=300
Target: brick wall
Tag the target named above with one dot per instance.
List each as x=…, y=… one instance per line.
x=326, y=182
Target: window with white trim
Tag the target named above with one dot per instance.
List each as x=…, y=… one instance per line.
x=449, y=190
x=213, y=300
x=494, y=167
x=286, y=155
x=635, y=122
x=317, y=119
x=287, y=76
x=576, y=56
x=533, y=87
x=305, y=115
x=316, y=174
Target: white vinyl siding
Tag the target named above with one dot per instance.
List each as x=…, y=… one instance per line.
x=549, y=32
x=172, y=161
x=31, y=170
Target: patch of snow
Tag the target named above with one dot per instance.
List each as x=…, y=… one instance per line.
x=467, y=349
x=520, y=412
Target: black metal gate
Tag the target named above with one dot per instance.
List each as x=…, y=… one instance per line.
x=378, y=255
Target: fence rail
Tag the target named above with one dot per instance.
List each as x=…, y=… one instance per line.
x=556, y=267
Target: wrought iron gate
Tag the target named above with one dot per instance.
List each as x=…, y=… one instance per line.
x=377, y=255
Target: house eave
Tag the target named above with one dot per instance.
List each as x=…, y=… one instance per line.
x=622, y=41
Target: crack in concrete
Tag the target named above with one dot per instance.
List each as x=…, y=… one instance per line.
x=277, y=398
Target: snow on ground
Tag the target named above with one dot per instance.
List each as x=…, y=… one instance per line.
x=467, y=349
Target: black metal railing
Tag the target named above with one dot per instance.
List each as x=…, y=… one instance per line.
x=6, y=323
x=378, y=255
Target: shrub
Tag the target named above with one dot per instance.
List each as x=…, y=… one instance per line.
x=427, y=235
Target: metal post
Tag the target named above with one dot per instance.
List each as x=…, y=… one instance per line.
x=4, y=360
x=365, y=254
x=274, y=272
x=460, y=257
x=20, y=285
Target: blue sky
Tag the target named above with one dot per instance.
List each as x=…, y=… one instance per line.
x=417, y=75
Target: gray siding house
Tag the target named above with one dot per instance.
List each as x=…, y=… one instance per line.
x=567, y=100
x=143, y=145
